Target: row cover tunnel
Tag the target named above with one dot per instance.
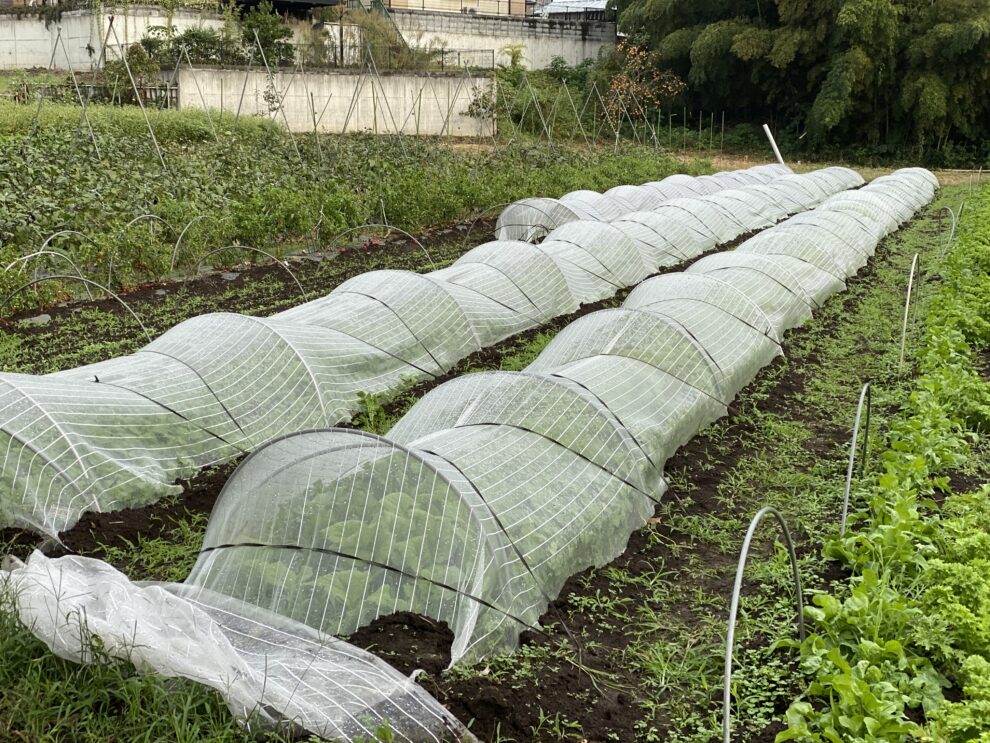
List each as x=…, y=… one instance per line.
x=120, y=433
x=481, y=501
x=497, y=487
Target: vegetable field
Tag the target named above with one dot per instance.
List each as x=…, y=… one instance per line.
x=489, y=479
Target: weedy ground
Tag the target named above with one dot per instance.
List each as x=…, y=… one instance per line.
x=641, y=657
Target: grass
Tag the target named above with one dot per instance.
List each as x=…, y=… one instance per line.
x=651, y=622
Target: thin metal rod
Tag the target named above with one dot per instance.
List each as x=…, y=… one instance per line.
x=79, y=95
x=282, y=263
x=66, y=277
x=734, y=607
x=390, y=227
x=25, y=258
x=206, y=108
x=865, y=404
x=907, y=310
x=281, y=100
x=137, y=94
x=190, y=223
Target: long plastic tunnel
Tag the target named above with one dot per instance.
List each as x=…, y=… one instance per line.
x=479, y=504
x=120, y=433
x=496, y=487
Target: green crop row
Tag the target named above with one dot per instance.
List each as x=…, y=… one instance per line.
x=253, y=186
x=911, y=630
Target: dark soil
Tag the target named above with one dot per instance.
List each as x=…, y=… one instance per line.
x=347, y=260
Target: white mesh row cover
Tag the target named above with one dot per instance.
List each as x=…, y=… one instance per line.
x=532, y=219
x=496, y=487
x=481, y=502
x=268, y=668
x=119, y=433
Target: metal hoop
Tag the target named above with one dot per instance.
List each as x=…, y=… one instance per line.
x=390, y=227
x=907, y=311
x=952, y=231
x=256, y=250
x=734, y=607
x=3, y=303
x=190, y=223
x=865, y=402
x=25, y=258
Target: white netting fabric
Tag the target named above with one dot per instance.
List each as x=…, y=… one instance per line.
x=119, y=433
x=538, y=474
x=270, y=670
x=532, y=219
x=482, y=501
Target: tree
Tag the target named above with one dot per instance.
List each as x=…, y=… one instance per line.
x=886, y=73
x=272, y=33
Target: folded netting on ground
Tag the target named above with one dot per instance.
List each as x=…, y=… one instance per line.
x=474, y=510
x=496, y=487
x=270, y=669
x=119, y=433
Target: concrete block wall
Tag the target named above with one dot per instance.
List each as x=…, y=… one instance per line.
x=405, y=102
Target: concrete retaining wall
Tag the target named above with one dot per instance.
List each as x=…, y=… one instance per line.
x=541, y=38
x=405, y=102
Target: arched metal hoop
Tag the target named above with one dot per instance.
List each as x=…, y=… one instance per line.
x=38, y=253
x=283, y=264
x=474, y=222
x=190, y=223
x=734, y=607
x=60, y=277
x=865, y=404
x=952, y=229
x=390, y=228
x=915, y=272
x=152, y=218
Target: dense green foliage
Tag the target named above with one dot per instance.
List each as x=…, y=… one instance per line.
x=916, y=617
x=255, y=187
x=895, y=76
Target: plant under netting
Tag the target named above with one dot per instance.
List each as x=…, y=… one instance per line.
x=759, y=189
x=495, y=488
x=531, y=219
x=489, y=493
x=119, y=433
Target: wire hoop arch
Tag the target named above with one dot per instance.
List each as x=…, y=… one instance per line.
x=954, y=216
x=38, y=253
x=281, y=263
x=915, y=272
x=734, y=607
x=66, y=277
x=865, y=403
x=153, y=218
x=390, y=228
x=182, y=234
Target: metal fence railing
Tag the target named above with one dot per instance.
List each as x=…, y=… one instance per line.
x=467, y=7
x=164, y=95
x=393, y=57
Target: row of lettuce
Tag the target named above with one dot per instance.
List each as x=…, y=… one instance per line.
x=903, y=651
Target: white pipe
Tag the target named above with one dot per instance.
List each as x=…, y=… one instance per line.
x=773, y=144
